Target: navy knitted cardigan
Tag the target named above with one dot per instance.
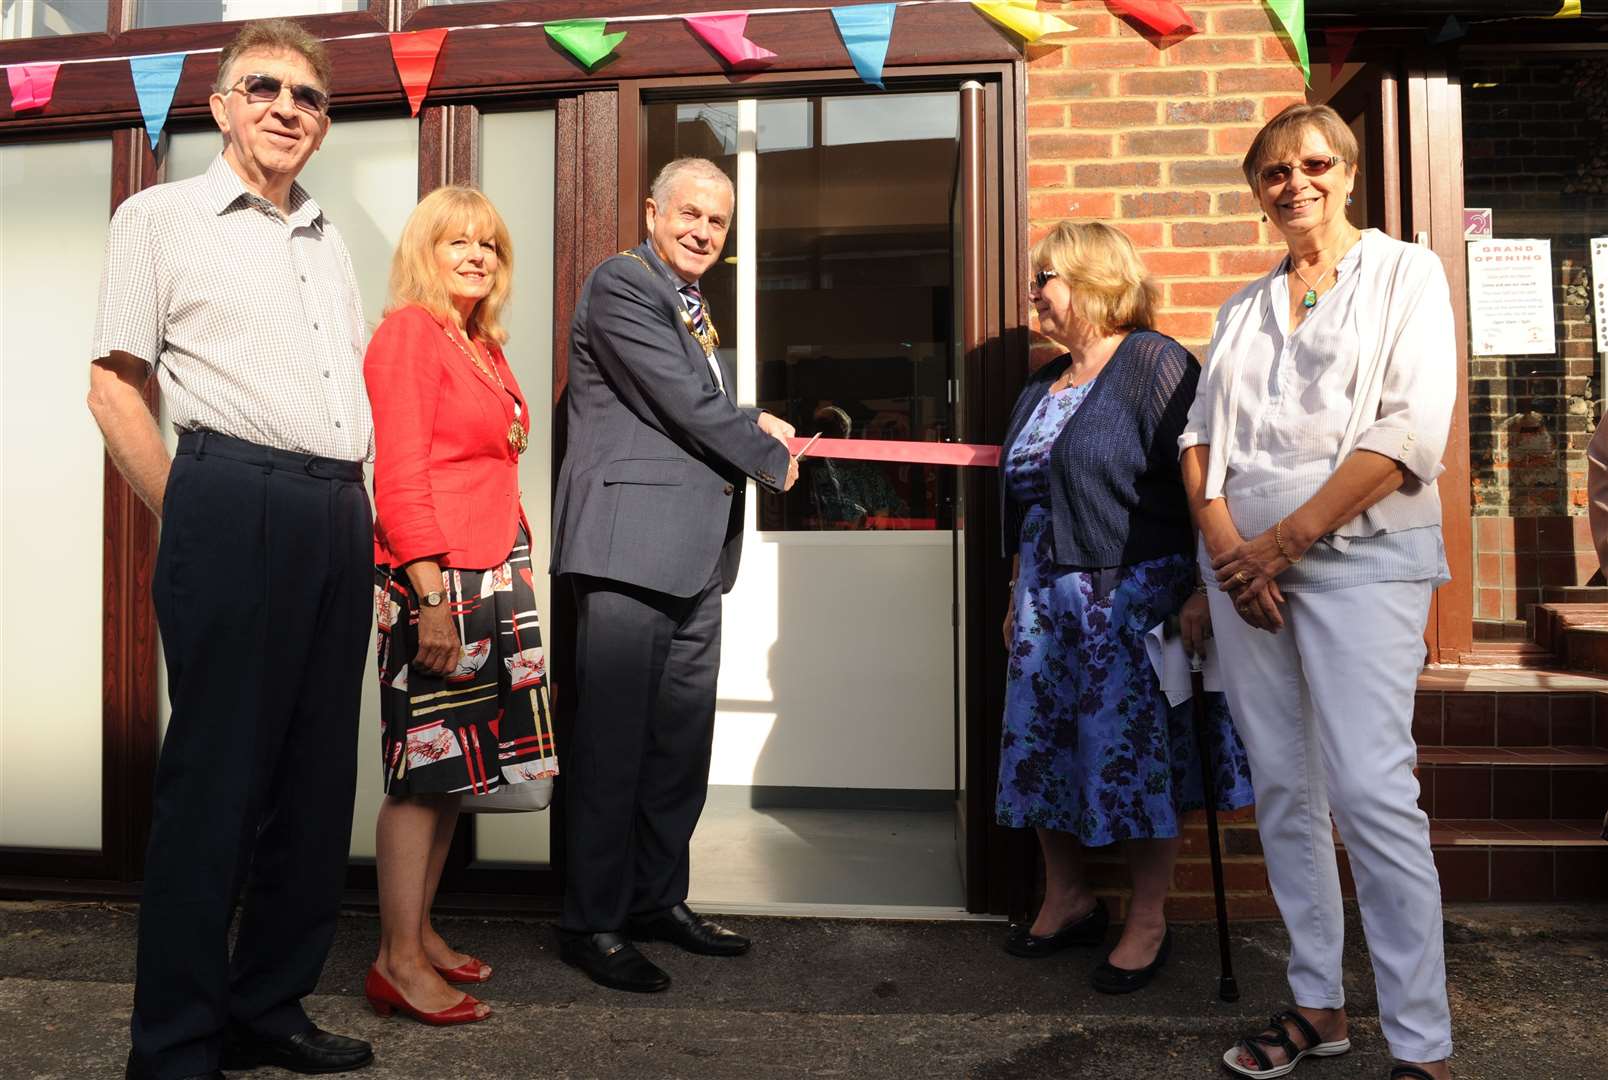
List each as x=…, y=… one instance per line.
x=1116, y=496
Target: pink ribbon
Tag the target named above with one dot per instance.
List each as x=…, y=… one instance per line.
x=912, y=453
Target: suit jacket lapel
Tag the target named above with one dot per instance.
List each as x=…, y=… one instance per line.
x=690, y=346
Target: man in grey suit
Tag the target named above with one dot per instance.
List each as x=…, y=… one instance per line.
x=647, y=534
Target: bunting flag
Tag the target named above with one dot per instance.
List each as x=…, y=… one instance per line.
x=415, y=56
x=1291, y=17
x=1450, y=31
x=584, y=39
x=1023, y=16
x=1340, y=40
x=1163, y=16
x=726, y=34
x=865, y=29
x=155, y=80
x=1569, y=10
x=31, y=85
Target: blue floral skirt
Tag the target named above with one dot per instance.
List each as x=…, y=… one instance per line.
x=1090, y=745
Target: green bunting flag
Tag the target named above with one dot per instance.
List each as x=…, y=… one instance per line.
x=1291, y=16
x=584, y=39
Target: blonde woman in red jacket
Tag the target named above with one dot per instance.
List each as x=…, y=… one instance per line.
x=462, y=675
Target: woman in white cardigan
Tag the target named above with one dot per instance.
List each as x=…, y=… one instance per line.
x=1310, y=460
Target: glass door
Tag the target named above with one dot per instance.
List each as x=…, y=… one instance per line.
x=834, y=773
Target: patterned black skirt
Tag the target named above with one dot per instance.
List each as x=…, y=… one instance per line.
x=485, y=724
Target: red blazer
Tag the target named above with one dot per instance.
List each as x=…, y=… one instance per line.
x=446, y=480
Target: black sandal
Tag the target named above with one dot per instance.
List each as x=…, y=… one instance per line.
x=1411, y=1071
x=1275, y=1034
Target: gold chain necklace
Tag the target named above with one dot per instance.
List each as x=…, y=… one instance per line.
x=709, y=338
x=518, y=437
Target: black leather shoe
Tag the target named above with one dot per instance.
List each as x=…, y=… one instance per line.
x=1115, y=980
x=135, y=1071
x=611, y=960
x=1089, y=930
x=312, y=1051
x=682, y=926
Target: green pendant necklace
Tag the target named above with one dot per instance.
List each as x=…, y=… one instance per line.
x=1310, y=299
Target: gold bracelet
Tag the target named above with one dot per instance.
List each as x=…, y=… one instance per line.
x=1278, y=539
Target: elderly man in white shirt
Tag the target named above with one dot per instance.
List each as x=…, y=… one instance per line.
x=238, y=293
x=1310, y=459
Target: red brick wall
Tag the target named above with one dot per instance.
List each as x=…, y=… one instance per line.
x=1148, y=135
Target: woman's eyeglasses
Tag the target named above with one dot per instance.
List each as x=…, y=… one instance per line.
x=1041, y=279
x=1312, y=166
x=261, y=89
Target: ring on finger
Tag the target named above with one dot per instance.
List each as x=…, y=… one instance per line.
x=1242, y=577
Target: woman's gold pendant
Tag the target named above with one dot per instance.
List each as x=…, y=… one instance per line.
x=1310, y=300
x=518, y=437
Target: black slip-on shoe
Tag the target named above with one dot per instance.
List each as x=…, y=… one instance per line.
x=687, y=929
x=1089, y=930
x=611, y=960
x=1114, y=980
x=312, y=1051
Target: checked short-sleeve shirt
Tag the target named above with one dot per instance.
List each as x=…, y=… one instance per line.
x=251, y=318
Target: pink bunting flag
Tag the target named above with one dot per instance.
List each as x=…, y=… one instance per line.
x=415, y=55
x=725, y=33
x=1339, y=40
x=31, y=85
x=1163, y=16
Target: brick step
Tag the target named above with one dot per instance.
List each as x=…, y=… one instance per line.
x=1575, y=594
x=1555, y=790
x=1510, y=707
x=1516, y=755
x=1489, y=632
x=1514, y=859
x=1521, y=653
x=1577, y=633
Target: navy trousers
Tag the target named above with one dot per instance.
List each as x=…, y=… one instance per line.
x=636, y=762
x=264, y=597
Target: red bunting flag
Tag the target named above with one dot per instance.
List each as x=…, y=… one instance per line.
x=415, y=55
x=726, y=33
x=1339, y=40
x=1163, y=16
x=31, y=85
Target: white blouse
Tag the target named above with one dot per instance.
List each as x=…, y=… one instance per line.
x=1372, y=366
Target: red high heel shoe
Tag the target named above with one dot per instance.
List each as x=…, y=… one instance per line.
x=385, y=999
x=466, y=972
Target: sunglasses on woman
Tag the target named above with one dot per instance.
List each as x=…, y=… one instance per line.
x=1312, y=166
x=1041, y=279
x=260, y=89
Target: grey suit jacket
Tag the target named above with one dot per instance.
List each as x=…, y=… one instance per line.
x=652, y=486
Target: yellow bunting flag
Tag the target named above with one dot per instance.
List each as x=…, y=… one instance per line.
x=1023, y=16
x=1570, y=9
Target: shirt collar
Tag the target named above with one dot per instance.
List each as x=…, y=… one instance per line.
x=225, y=190
x=675, y=280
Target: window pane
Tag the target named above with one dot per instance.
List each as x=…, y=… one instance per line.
x=178, y=12
x=366, y=179
x=51, y=18
x=1533, y=156
x=516, y=172
x=854, y=308
x=53, y=200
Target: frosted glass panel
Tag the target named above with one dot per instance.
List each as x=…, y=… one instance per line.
x=51, y=18
x=181, y=12
x=366, y=178
x=54, y=199
x=516, y=167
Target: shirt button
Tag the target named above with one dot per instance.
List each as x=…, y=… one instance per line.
x=315, y=326
x=326, y=374
x=337, y=423
x=304, y=277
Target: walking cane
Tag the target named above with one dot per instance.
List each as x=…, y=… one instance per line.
x=1227, y=988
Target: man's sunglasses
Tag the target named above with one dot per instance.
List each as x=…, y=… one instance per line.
x=1312, y=166
x=261, y=89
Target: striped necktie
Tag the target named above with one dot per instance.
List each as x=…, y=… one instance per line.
x=692, y=301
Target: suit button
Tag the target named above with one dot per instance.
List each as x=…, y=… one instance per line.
x=727, y=490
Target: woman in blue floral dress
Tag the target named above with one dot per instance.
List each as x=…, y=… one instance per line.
x=1099, y=531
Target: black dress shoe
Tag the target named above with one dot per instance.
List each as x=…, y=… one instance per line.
x=1114, y=980
x=611, y=960
x=682, y=926
x=135, y=1071
x=312, y=1051
x=1089, y=930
